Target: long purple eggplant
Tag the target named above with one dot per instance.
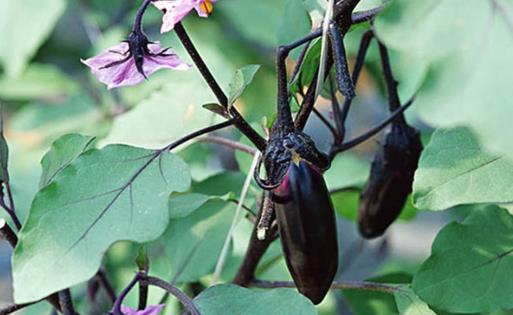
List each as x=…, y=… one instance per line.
x=307, y=229
x=390, y=181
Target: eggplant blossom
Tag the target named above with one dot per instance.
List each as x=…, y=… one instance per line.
x=132, y=61
x=150, y=310
x=176, y=10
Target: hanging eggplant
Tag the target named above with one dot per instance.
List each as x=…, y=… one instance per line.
x=390, y=180
x=308, y=233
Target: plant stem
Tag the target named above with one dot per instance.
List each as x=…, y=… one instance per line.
x=366, y=136
x=239, y=121
x=107, y=286
x=228, y=143
x=7, y=233
x=347, y=285
x=14, y=307
x=393, y=96
x=66, y=302
x=137, y=27
x=196, y=134
x=116, y=309
x=186, y=301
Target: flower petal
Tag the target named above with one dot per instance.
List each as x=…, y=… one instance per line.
x=177, y=10
x=152, y=310
x=128, y=311
x=174, y=12
x=125, y=72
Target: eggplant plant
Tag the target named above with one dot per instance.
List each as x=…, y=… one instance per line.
x=173, y=186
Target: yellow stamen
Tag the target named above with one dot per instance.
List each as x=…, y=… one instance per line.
x=207, y=6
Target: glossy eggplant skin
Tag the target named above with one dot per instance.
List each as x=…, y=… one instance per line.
x=306, y=220
x=390, y=180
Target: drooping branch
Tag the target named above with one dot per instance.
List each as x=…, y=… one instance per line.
x=347, y=285
x=367, y=135
x=228, y=143
x=186, y=301
x=14, y=308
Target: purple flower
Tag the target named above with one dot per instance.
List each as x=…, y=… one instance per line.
x=176, y=10
x=132, y=61
x=150, y=310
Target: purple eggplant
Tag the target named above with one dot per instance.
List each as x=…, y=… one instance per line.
x=306, y=220
x=390, y=180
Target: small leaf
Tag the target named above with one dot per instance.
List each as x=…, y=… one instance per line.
x=408, y=303
x=469, y=270
x=104, y=196
x=63, y=151
x=454, y=169
x=231, y=299
x=217, y=109
x=240, y=81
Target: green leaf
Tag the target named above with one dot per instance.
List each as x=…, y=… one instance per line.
x=231, y=299
x=295, y=23
x=240, y=81
x=246, y=17
x=454, y=170
x=36, y=82
x=308, y=68
x=469, y=269
x=63, y=151
x=104, y=196
x=347, y=170
x=408, y=303
x=346, y=204
x=181, y=205
x=24, y=25
x=468, y=45
x=166, y=115
x=4, y=152
x=192, y=244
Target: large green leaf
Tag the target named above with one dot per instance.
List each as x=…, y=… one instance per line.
x=63, y=151
x=192, y=244
x=408, y=303
x=231, y=299
x=469, y=269
x=454, y=169
x=468, y=45
x=166, y=115
x=104, y=196
x=24, y=25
